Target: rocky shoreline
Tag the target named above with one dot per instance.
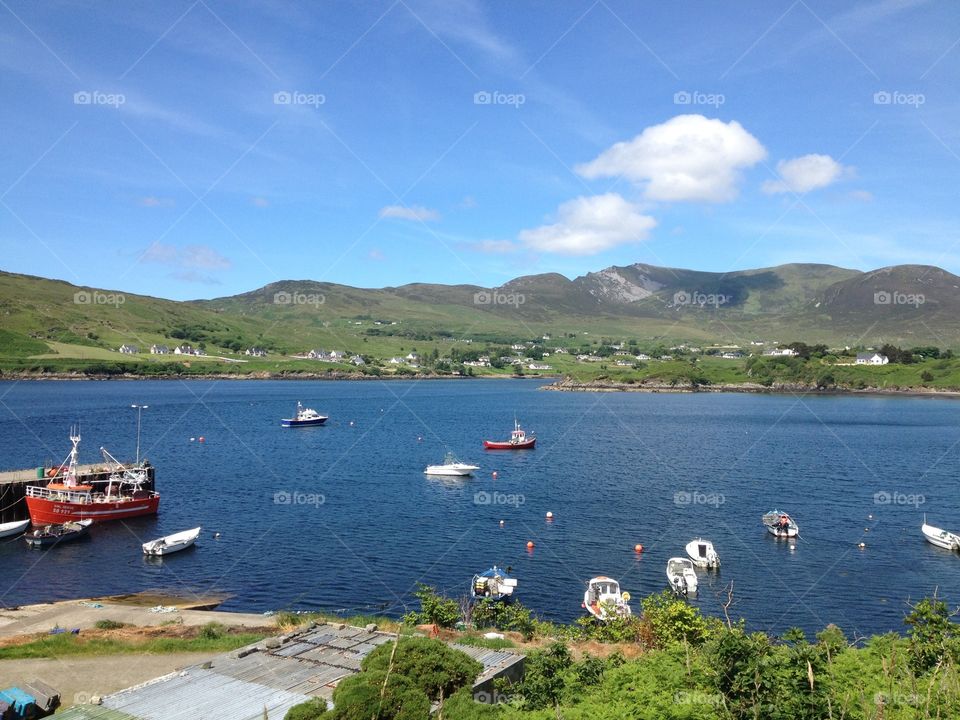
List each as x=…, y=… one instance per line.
x=570, y=385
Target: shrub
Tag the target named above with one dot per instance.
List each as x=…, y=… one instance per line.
x=513, y=616
x=434, y=608
x=432, y=666
x=374, y=695
x=213, y=631
x=314, y=709
x=673, y=620
x=108, y=625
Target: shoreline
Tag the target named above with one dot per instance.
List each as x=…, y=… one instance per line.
x=744, y=388
x=260, y=375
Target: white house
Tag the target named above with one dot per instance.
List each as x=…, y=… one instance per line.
x=129, y=349
x=183, y=350
x=159, y=350
x=318, y=354
x=396, y=361
x=872, y=359
x=413, y=357
x=781, y=352
x=643, y=356
x=255, y=352
x=358, y=361
x=538, y=366
x=732, y=355
x=337, y=356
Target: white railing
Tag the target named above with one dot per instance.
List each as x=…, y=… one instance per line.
x=36, y=491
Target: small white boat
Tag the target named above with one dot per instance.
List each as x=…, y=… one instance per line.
x=604, y=600
x=780, y=525
x=681, y=575
x=13, y=528
x=940, y=538
x=304, y=417
x=702, y=553
x=494, y=583
x=171, y=543
x=451, y=466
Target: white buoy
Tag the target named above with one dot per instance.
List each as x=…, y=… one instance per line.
x=549, y=515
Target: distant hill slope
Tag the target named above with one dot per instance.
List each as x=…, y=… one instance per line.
x=906, y=304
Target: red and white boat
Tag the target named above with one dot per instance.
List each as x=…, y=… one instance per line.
x=518, y=440
x=65, y=499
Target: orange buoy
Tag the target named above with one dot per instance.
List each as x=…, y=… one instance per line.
x=638, y=548
x=529, y=544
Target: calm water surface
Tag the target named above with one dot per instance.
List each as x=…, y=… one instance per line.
x=615, y=469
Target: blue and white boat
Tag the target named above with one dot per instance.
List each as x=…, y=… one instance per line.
x=494, y=583
x=305, y=417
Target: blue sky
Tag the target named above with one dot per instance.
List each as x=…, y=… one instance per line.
x=200, y=149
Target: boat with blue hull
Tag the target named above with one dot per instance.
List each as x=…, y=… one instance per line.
x=305, y=417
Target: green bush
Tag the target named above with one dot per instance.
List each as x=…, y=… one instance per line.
x=673, y=620
x=512, y=616
x=108, y=625
x=432, y=666
x=374, y=695
x=434, y=609
x=213, y=631
x=314, y=709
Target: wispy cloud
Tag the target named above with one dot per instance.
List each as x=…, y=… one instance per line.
x=190, y=263
x=409, y=212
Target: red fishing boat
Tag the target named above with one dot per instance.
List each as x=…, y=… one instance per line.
x=518, y=440
x=66, y=499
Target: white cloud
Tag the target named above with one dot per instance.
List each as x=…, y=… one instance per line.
x=589, y=225
x=152, y=201
x=495, y=247
x=687, y=158
x=409, y=212
x=806, y=173
x=187, y=261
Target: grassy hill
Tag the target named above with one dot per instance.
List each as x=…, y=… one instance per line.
x=51, y=321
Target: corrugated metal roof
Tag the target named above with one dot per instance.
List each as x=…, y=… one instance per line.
x=93, y=712
x=198, y=693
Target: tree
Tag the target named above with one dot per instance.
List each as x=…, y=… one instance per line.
x=931, y=633
x=543, y=680
x=434, y=608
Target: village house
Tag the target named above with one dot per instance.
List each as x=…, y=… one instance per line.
x=642, y=356
x=872, y=359
x=129, y=349
x=184, y=350
x=396, y=361
x=781, y=352
x=159, y=350
x=255, y=352
x=538, y=366
x=357, y=360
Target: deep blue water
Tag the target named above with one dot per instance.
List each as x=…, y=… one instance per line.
x=611, y=467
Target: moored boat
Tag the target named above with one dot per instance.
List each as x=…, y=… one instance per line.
x=702, y=554
x=13, y=528
x=305, y=417
x=451, y=466
x=780, y=524
x=65, y=499
x=939, y=537
x=519, y=440
x=57, y=534
x=604, y=600
x=681, y=576
x=171, y=543
x=494, y=583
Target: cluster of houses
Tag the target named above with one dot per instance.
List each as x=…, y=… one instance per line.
x=185, y=349
x=334, y=356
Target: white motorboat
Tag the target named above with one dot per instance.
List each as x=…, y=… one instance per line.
x=681, y=575
x=451, y=466
x=494, y=583
x=13, y=528
x=604, y=600
x=780, y=525
x=702, y=553
x=940, y=538
x=305, y=417
x=171, y=543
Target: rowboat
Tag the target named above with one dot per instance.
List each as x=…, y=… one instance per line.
x=13, y=528
x=604, y=600
x=451, y=466
x=171, y=543
x=702, y=554
x=518, y=440
x=56, y=534
x=940, y=538
x=494, y=583
x=780, y=525
x=681, y=575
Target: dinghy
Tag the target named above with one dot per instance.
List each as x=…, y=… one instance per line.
x=493, y=583
x=681, y=575
x=604, y=600
x=780, y=525
x=57, y=534
x=171, y=543
x=13, y=528
x=940, y=538
x=702, y=553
